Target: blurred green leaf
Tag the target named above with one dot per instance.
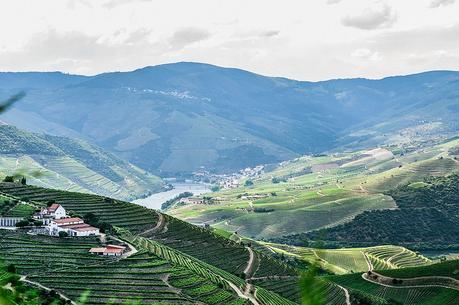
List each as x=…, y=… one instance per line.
x=9, y=102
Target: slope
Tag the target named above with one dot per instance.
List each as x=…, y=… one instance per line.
x=182, y=117
x=72, y=165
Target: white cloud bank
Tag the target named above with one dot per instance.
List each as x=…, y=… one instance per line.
x=309, y=40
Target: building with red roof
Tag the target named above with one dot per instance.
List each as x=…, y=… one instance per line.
x=109, y=250
x=73, y=226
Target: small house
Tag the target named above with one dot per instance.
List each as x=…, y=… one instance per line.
x=109, y=250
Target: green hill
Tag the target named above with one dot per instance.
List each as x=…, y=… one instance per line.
x=431, y=284
x=70, y=164
x=182, y=117
x=426, y=217
x=324, y=191
x=202, y=265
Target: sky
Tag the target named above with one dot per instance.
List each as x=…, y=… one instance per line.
x=299, y=39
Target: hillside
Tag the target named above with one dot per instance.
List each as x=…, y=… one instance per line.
x=431, y=284
x=431, y=207
x=70, y=164
x=177, y=262
x=182, y=117
x=317, y=192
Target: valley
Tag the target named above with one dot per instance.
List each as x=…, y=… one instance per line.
x=319, y=192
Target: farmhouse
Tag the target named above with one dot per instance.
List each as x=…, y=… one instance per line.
x=54, y=211
x=73, y=226
x=109, y=250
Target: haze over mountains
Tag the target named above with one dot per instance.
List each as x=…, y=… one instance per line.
x=183, y=117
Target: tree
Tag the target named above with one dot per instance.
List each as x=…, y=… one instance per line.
x=23, y=181
x=215, y=188
x=63, y=234
x=11, y=268
x=22, y=223
x=248, y=182
x=38, y=223
x=8, y=179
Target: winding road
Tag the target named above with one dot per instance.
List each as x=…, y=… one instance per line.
x=25, y=280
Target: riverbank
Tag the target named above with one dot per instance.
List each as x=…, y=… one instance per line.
x=155, y=201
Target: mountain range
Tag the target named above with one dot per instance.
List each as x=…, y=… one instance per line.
x=183, y=117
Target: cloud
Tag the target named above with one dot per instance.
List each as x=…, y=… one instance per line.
x=187, y=36
x=367, y=54
x=329, y=2
x=438, y=3
x=380, y=15
x=270, y=34
x=114, y=3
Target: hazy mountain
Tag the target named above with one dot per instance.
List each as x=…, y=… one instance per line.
x=184, y=116
x=70, y=164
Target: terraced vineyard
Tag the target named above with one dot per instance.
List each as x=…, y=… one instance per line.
x=66, y=266
x=409, y=295
x=392, y=257
x=117, y=213
x=31, y=254
x=205, y=266
x=71, y=164
x=214, y=249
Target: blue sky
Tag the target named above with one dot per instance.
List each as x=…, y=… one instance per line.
x=307, y=40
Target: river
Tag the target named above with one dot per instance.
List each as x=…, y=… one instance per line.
x=154, y=201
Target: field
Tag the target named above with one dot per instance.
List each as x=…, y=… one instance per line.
x=205, y=266
x=353, y=260
x=66, y=266
x=311, y=193
x=404, y=295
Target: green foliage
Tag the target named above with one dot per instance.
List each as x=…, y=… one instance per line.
x=63, y=234
x=426, y=218
x=22, y=223
x=248, y=182
x=310, y=287
x=166, y=205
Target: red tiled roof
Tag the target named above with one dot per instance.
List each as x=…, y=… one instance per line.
x=107, y=250
x=79, y=227
x=68, y=220
x=53, y=207
x=111, y=250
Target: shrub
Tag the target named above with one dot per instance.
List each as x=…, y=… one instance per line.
x=248, y=183
x=63, y=234
x=38, y=223
x=8, y=179
x=11, y=268
x=22, y=223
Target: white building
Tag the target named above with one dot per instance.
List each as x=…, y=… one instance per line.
x=9, y=222
x=73, y=226
x=54, y=211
